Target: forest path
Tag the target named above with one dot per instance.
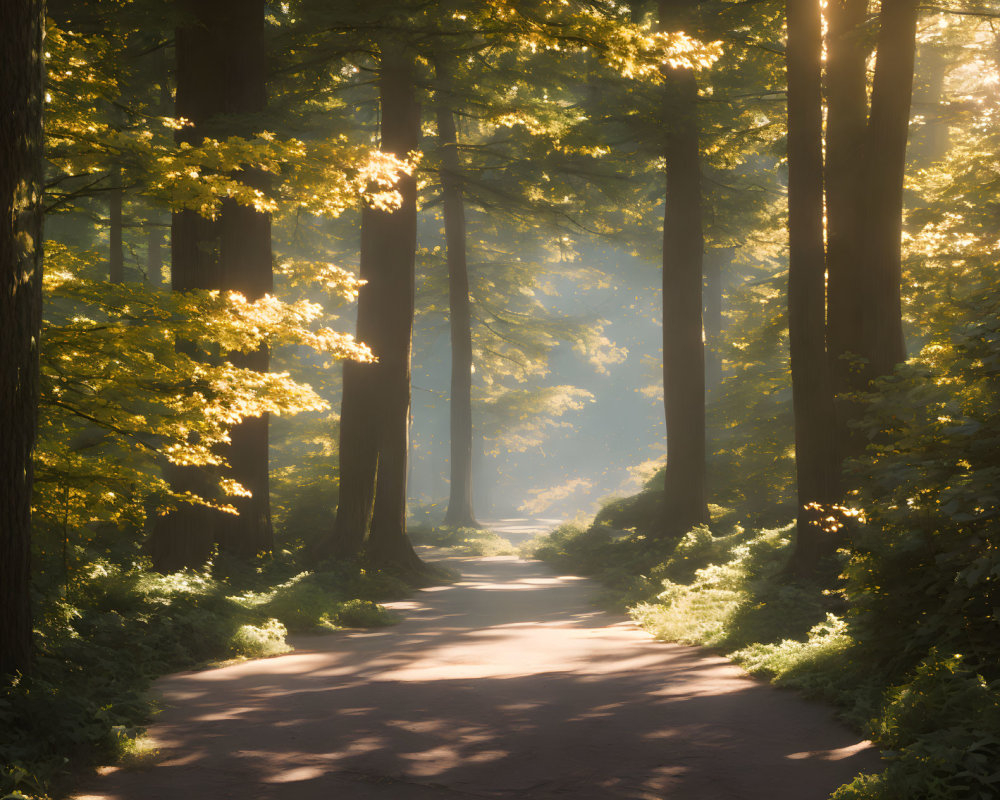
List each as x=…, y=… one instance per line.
x=505, y=684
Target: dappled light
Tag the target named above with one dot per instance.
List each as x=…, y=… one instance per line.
x=472, y=695
x=499, y=398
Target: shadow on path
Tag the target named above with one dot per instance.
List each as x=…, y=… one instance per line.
x=505, y=684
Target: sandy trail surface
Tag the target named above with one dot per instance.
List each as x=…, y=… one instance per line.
x=505, y=684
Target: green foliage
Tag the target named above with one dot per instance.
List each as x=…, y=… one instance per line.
x=260, y=641
x=924, y=571
x=640, y=511
x=359, y=613
x=942, y=732
x=465, y=541
x=85, y=703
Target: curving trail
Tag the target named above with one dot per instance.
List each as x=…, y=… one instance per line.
x=506, y=684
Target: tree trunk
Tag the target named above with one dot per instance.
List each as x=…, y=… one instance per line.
x=888, y=128
x=21, y=147
x=847, y=113
x=374, y=419
x=683, y=349
x=393, y=244
x=116, y=254
x=246, y=267
x=184, y=537
x=220, y=70
x=359, y=416
x=460, y=508
x=816, y=463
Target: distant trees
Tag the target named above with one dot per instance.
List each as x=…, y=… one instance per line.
x=460, y=511
x=21, y=64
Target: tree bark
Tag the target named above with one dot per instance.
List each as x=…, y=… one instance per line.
x=393, y=245
x=21, y=147
x=246, y=266
x=460, y=508
x=683, y=349
x=888, y=129
x=847, y=114
x=359, y=416
x=374, y=421
x=220, y=70
x=816, y=462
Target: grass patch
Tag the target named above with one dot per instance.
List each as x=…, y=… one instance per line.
x=86, y=704
x=463, y=541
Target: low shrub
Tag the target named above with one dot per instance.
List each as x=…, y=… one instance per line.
x=465, y=541
x=260, y=641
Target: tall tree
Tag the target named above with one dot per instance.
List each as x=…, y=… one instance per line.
x=221, y=71
x=371, y=516
x=685, y=502
x=847, y=115
x=812, y=395
x=21, y=64
x=246, y=266
x=460, y=508
x=865, y=163
x=885, y=163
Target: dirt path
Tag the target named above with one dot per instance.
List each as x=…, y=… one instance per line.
x=506, y=684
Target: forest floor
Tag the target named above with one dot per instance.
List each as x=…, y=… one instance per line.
x=506, y=683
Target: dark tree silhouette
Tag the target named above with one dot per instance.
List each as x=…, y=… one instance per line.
x=812, y=395
x=683, y=247
x=21, y=65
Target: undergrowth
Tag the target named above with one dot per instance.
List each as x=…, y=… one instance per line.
x=462, y=540
x=937, y=721
x=116, y=628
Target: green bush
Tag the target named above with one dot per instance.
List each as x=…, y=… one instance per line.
x=362, y=614
x=85, y=703
x=467, y=541
x=260, y=641
x=942, y=732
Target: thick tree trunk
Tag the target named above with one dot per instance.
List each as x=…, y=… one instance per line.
x=246, y=267
x=683, y=349
x=360, y=411
x=847, y=114
x=374, y=420
x=460, y=508
x=393, y=243
x=220, y=70
x=816, y=462
x=21, y=65
x=116, y=253
x=184, y=537
x=888, y=129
